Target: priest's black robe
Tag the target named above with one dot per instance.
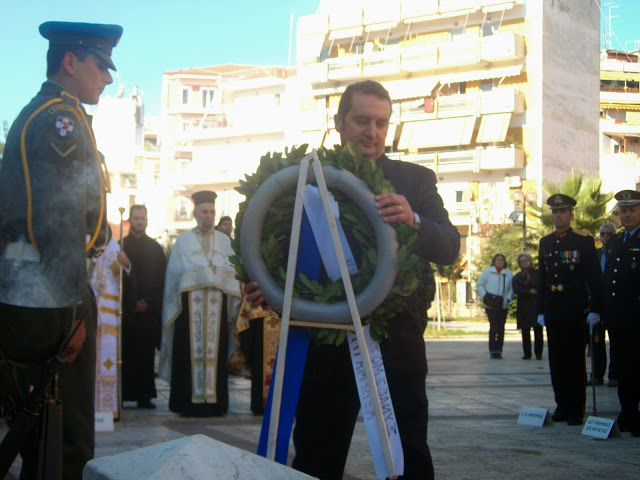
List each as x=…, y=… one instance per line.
x=141, y=330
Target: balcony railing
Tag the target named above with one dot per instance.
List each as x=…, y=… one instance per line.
x=465, y=51
x=501, y=46
x=501, y=158
x=502, y=100
x=457, y=161
x=457, y=105
x=349, y=66
x=468, y=160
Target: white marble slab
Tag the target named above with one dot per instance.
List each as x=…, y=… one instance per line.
x=194, y=458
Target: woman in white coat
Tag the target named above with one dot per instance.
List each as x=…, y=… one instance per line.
x=496, y=281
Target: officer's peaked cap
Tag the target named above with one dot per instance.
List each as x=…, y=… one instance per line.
x=98, y=38
x=627, y=198
x=559, y=200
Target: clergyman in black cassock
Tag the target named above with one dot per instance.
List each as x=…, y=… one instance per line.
x=141, y=311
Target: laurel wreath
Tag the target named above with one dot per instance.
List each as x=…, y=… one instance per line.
x=277, y=228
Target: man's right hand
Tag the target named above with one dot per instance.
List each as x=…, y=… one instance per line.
x=77, y=341
x=541, y=320
x=254, y=295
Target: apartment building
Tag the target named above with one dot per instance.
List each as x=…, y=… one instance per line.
x=619, y=120
x=493, y=95
x=129, y=142
x=216, y=124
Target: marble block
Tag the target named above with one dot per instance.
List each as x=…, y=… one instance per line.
x=190, y=458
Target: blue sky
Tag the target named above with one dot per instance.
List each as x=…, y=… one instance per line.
x=163, y=35
x=159, y=36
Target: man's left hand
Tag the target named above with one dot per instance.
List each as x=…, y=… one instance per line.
x=593, y=319
x=394, y=208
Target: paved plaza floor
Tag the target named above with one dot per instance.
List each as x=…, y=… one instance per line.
x=474, y=403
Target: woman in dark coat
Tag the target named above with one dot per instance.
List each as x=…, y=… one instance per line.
x=524, y=287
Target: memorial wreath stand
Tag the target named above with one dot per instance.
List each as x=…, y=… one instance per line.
x=356, y=325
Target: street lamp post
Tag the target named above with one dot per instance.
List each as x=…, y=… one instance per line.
x=520, y=198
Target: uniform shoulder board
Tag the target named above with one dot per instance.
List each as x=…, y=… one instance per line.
x=581, y=233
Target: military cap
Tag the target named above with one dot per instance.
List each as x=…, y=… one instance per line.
x=204, y=196
x=97, y=38
x=627, y=198
x=559, y=200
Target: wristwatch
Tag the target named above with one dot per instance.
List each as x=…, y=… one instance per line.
x=416, y=224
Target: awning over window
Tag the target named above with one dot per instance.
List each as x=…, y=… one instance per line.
x=620, y=106
x=611, y=75
x=413, y=88
x=493, y=128
x=436, y=133
x=483, y=74
x=391, y=133
x=345, y=33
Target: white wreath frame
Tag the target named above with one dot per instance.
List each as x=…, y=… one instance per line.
x=359, y=193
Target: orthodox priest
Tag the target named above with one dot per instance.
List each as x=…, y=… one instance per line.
x=141, y=310
x=200, y=293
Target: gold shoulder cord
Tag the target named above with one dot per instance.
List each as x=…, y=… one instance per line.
x=103, y=179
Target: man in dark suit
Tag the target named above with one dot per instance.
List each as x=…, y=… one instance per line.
x=621, y=308
x=569, y=286
x=328, y=405
x=599, y=351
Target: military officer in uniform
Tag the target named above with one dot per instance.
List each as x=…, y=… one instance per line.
x=569, y=287
x=621, y=308
x=52, y=218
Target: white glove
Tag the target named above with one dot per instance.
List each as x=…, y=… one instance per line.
x=541, y=320
x=593, y=319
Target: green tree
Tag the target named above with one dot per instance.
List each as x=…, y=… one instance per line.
x=452, y=273
x=590, y=212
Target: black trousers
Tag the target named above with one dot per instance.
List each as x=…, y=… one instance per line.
x=538, y=336
x=567, y=363
x=34, y=334
x=497, y=319
x=329, y=404
x=138, y=352
x=626, y=355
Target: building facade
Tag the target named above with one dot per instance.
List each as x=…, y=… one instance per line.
x=216, y=124
x=471, y=82
x=619, y=120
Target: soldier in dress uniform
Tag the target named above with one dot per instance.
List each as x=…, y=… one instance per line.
x=569, y=287
x=52, y=218
x=621, y=308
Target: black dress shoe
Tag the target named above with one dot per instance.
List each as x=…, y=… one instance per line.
x=558, y=417
x=538, y=357
x=527, y=357
x=623, y=424
x=146, y=404
x=573, y=421
x=595, y=381
x=612, y=382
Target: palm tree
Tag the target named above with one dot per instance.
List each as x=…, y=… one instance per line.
x=590, y=212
